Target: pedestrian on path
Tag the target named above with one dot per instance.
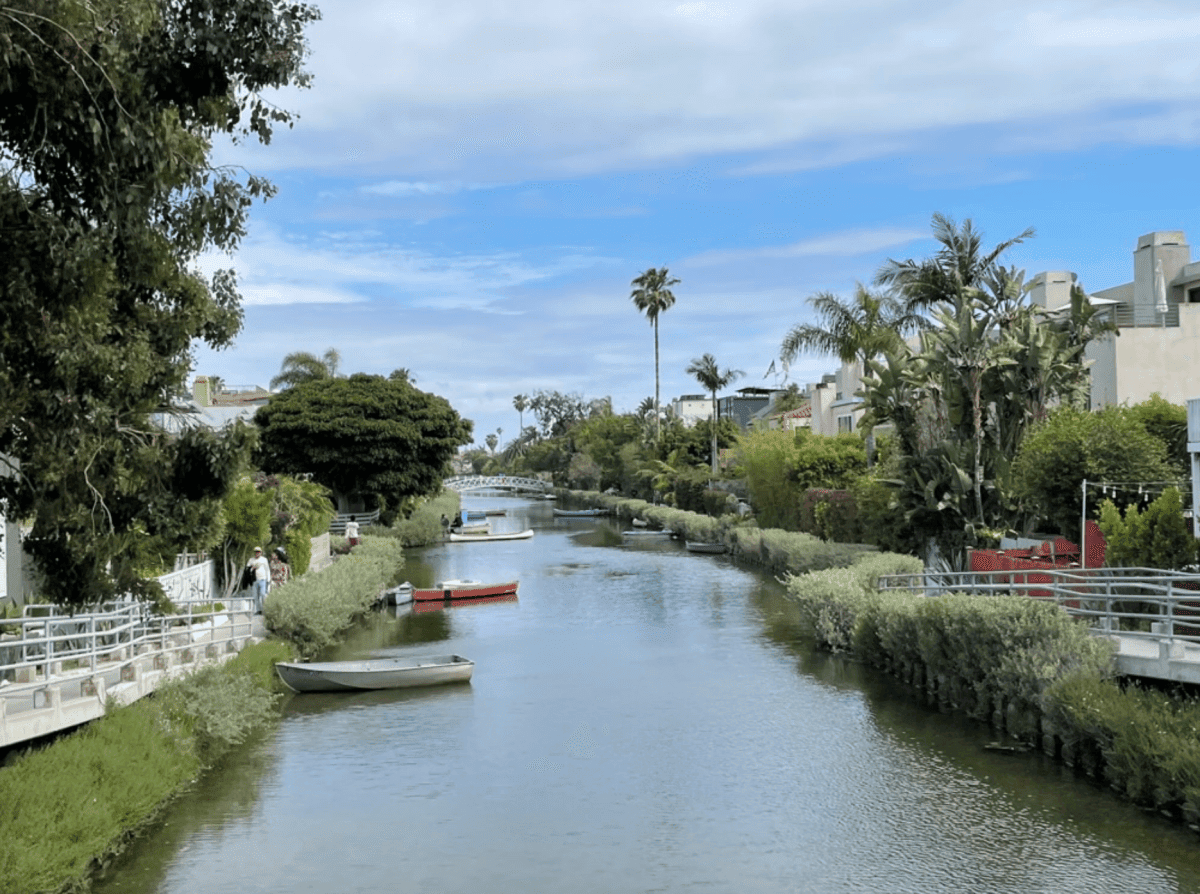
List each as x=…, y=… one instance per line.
x=352, y=531
x=261, y=570
x=281, y=571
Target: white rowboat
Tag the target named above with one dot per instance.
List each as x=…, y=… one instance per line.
x=485, y=537
x=375, y=673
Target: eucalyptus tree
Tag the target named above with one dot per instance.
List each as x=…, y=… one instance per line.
x=302, y=366
x=109, y=110
x=652, y=296
x=710, y=376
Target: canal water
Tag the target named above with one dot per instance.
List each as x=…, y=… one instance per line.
x=641, y=719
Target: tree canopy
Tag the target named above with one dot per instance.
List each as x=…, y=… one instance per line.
x=363, y=436
x=108, y=110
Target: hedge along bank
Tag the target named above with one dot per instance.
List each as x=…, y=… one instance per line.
x=772, y=549
x=1023, y=665
x=68, y=807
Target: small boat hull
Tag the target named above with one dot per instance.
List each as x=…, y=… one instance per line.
x=420, y=608
x=456, y=590
x=713, y=548
x=578, y=513
x=375, y=673
x=648, y=535
x=485, y=537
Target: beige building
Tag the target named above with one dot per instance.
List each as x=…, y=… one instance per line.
x=1158, y=314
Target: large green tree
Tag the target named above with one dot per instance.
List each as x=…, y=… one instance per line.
x=652, y=296
x=706, y=371
x=108, y=111
x=364, y=437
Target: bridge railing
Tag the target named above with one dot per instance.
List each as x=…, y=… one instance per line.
x=496, y=482
x=1140, y=603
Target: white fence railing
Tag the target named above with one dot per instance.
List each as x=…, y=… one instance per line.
x=49, y=642
x=59, y=667
x=1135, y=603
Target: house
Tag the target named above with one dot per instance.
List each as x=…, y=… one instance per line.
x=213, y=408
x=790, y=420
x=1158, y=314
x=692, y=408
x=742, y=406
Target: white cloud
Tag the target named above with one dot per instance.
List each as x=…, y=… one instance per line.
x=541, y=88
x=848, y=243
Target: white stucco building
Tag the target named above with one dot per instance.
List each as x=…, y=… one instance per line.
x=692, y=408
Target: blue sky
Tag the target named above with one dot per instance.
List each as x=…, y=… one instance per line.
x=471, y=186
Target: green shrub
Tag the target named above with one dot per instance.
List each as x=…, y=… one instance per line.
x=830, y=515
x=219, y=708
x=1148, y=740
x=424, y=524
x=312, y=610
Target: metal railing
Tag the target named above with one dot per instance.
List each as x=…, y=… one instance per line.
x=1139, y=603
x=338, y=525
x=49, y=643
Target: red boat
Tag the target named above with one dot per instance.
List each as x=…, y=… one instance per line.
x=462, y=590
x=420, y=608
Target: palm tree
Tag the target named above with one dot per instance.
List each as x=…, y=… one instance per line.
x=977, y=297
x=301, y=366
x=709, y=375
x=960, y=270
x=520, y=402
x=492, y=440
x=652, y=296
x=868, y=325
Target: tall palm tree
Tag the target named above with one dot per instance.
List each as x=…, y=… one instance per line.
x=709, y=375
x=863, y=327
x=520, y=402
x=301, y=366
x=652, y=296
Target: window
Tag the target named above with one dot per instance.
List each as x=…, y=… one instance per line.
x=845, y=424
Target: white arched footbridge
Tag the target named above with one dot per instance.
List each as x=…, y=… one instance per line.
x=463, y=483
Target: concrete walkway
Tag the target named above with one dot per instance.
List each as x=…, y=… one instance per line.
x=58, y=699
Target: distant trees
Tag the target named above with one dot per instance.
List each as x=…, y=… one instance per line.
x=652, y=296
x=363, y=437
x=520, y=403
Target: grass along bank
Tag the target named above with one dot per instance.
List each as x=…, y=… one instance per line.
x=1026, y=667
x=73, y=804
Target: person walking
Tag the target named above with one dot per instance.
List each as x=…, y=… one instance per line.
x=352, y=531
x=261, y=569
x=281, y=571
